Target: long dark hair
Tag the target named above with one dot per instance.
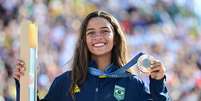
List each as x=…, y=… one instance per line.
x=82, y=55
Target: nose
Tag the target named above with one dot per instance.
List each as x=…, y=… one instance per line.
x=97, y=35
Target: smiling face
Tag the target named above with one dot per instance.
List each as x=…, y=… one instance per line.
x=99, y=36
x=98, y=31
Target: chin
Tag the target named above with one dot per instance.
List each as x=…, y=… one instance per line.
x=101, y=53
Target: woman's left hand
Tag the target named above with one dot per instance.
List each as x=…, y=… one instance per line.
x=157, y=70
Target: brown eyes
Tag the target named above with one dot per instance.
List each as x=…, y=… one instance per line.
x=105, y=31
x=91, y=33
x=102, y=32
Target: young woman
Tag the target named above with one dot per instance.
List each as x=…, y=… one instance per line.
x=101, y=48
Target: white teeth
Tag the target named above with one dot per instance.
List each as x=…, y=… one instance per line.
x=99, y=44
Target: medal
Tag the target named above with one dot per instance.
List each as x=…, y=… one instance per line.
x=144, y=63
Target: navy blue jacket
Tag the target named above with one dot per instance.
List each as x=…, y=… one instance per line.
x=102, y=89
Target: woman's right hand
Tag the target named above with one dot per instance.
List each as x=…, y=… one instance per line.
x=19, y=70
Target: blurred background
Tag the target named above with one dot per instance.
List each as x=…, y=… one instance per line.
x=170, y=30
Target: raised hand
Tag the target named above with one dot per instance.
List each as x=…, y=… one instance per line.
x=157, y=70
x=19, y=70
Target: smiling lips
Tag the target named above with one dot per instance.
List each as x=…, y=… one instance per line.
x=101, y=44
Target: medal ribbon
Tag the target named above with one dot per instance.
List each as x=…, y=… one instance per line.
x=119, y=73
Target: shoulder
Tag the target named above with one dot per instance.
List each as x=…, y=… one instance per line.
x=59, y=86
x=135, y=81
x=132, y=81
x=64, y=76
x=63, y=79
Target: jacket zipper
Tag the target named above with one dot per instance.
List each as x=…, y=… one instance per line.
x=96, y=90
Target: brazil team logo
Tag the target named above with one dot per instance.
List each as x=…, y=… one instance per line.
x=119, y=93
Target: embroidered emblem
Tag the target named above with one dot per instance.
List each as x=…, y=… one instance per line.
x=119, y=92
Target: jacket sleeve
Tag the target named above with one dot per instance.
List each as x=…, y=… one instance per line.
x=18, y=91
x=17, y=83
x=157, y=92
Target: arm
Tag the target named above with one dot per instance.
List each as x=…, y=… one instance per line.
x=157, y=85
x=158, y=90
x=57, y=90
x=18, y=72
x=17, y=83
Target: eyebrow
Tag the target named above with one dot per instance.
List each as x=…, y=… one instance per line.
x=88, y=29
x=104, y=27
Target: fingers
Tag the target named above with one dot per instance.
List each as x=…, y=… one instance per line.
x=17, y=75
x=20, y=69
x=157, y=70
x=20, y=62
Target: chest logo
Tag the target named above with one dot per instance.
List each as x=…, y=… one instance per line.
x=119, y=92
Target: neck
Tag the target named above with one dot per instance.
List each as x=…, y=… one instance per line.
x=102, y=61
